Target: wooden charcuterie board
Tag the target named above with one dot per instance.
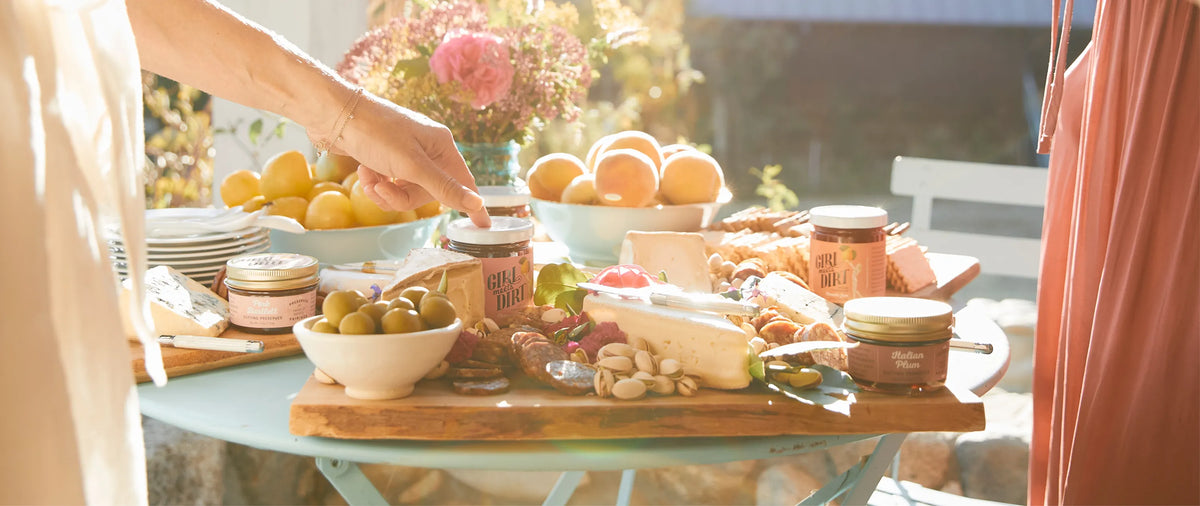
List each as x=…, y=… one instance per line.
x=532, y=412
x=183, y=361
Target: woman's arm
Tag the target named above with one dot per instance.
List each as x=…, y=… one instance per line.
x=201, y=43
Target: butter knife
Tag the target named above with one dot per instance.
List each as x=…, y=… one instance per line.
x=212, y=343
x=678, y=300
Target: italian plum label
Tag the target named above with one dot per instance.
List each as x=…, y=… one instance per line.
x=507, y=283
x=271, y=312
x=843, y=271
x=903, y=365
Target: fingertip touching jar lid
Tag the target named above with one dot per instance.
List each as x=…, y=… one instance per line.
x=506, y=257
x=269, y=292
x=506, y=201
x=903, y=343
x=848, y=252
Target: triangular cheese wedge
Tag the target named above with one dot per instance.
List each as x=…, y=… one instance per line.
x=424, y=267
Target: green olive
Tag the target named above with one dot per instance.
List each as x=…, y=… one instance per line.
x=357, y=322
x=437, y=312
x=401, y=303
x=402, y=321
x=414, y=294
x=339, y=304
x=323, y=325
x=374, y=310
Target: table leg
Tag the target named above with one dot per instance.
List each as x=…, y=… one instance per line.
x=564, y=488
x=350, y=482
x=859, y=482
x=626, y=489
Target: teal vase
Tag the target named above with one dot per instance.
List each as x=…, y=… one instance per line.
x=492, y=164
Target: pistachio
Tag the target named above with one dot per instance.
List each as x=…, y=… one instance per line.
x=479, y=328
x=629, y=389
x=670, y=368
x=490, y=324
x=663, y=385
x=554, y=315
x=759, y=344
x=617, y=364
x=580, y=356
x=644, y=377
x=805, y=378
x=438, y=371
x=622, y=376
x=637, y=343
x=603, y=382
x=645, y=362
x=321, y=377
x=751, y=333
x=686, y=386
x=727, y=269
x=714, y=262
x=619, y=350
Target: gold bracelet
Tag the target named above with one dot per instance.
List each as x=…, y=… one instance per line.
x=340, y=123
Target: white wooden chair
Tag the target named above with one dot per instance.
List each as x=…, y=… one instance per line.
x=925, y=180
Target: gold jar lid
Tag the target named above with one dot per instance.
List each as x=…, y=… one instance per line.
x=271, y=271
x=898, y=319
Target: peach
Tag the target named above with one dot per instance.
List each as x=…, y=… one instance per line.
x=582, y=190
x=626, y=178
x=671, y=149
x=596, y=148
x=639, y=141
x=691, y=177
x=551, y=174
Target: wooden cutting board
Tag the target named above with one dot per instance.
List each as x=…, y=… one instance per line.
x=183, y=361
x=528, y=412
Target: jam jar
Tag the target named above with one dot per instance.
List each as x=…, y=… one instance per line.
x=506, y=201
x=507, y=259
x=848, y=252
x=903, y=343
x=269, y=292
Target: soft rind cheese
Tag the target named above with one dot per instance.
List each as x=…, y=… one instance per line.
x=709, y=346
x=464, y=275
x=679, y=254
x=794, y=302
x=180, y=305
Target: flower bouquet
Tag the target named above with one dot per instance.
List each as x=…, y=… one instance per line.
x=493, y=72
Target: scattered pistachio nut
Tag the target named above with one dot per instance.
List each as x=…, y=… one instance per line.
x=805, y=378
x=663, y=385
x=686, y=386
x=637, y=343
x=714, y=262
x=490, y=324
x=619, y=350
x=670, y=368
x=644, y=377
x=629, y=389
x=554, y=315
x=751, y=333
x=727, y=269
x=603, y=382
x=580, y=356
x=759, y=344
x=321, y=377
x=645, y=362
x=616, y=364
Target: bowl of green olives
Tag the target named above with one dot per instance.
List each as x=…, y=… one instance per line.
x=380, y=349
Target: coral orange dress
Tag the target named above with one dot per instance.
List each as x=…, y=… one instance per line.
x=1117, y=360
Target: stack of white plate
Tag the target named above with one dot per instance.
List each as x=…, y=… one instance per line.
x=198, y=256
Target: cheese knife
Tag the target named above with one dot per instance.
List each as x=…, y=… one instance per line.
x=212, y=343
x=678, y=300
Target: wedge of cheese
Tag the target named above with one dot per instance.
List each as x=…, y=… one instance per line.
x=797, y=303
x=709, y=346
x=679, y=254
x=424, y=267
x=179, y=305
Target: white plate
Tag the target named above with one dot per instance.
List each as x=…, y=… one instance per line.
x=198, y=239
x=192, y=272
x=117, y=247
x=194, y=263
x=229, y=252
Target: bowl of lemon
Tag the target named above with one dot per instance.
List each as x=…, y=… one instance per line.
x=627, y=182
x=342, y=224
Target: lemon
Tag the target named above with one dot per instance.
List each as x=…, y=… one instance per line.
x=329, y=210
x=366, y=212
x=350, y=180
x=239, y=187
x=326, y=186
x=292, y=207
x=286, y=175
x=431, y=209
x=331, y=167
x=254, y=203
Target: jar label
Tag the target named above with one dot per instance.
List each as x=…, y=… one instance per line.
x=843, y=271
x=271, y=311
x=901, y=365
x=507, y=283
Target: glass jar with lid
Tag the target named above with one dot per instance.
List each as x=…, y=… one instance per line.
x=506, y=256
x=511, y=201
x=269, y=292
x=848, y=252
x=903, y=343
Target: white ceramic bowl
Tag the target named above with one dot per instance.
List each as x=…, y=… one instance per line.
x=376, y=366
x=358, y=244
x=593, y=234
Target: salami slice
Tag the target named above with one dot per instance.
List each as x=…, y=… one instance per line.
x=482, y=387
x=570, y=377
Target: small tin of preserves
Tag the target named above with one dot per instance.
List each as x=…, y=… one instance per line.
x=506, y=201
x=903, y=343
x=269, y=292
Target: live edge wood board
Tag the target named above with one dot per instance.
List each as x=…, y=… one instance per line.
x=530, y=412
x=183, y=361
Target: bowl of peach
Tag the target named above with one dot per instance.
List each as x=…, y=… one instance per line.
x=628, y=182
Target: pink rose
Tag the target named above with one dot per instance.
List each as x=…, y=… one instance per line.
x=478, y=62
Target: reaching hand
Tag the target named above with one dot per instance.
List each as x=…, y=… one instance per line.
x=407, y=160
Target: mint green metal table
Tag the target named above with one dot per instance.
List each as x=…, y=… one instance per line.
x=249, y=405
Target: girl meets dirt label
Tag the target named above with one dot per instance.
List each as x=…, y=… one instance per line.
x=507, y=283
x=840, y=271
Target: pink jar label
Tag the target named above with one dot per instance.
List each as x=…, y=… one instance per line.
x=843, y=271
x=270, y=311
x=507, y=283
x=904, y=365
